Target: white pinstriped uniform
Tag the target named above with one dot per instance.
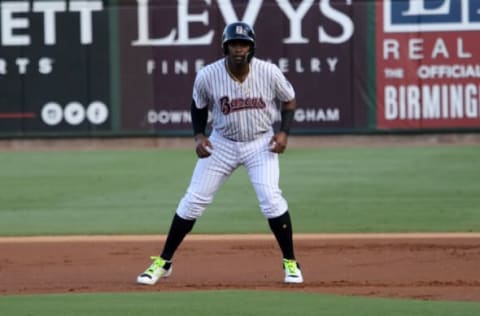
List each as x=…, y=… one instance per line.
x=243, y=115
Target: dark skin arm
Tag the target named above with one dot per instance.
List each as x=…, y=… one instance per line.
x=278, y=143
x=203, y=146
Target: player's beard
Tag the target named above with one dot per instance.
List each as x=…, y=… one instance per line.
x=240, y=60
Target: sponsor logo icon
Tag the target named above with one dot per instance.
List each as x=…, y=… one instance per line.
x=74, y=113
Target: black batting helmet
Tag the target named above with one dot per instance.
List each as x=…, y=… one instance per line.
x=239, y=31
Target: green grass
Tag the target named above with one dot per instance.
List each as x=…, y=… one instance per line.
x=329, y=190
x=226, y=303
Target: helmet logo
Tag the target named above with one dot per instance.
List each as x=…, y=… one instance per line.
x=240, y=30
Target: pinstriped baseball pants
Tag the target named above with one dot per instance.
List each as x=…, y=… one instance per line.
x=210, y=173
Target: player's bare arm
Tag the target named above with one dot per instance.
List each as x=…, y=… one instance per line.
x=278, y=144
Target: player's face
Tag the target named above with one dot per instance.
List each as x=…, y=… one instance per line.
x=238, y=51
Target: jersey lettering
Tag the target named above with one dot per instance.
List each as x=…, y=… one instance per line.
x=240, y=104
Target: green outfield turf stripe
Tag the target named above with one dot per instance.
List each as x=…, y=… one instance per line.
x=329, y=190
x=227, y=303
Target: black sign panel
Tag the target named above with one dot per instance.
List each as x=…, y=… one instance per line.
x=56, y=74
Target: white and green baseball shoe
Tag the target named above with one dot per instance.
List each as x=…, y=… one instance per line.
x=293, y=274
x=158, y=269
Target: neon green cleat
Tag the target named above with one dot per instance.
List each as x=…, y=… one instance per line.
x=293, y=274
x=158, y=269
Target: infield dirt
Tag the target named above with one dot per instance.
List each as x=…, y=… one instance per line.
x=427, y=267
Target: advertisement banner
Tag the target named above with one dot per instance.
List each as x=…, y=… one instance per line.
x=319, y=45
x=428, y=64
x=54, y=67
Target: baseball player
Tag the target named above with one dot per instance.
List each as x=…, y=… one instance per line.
x=242, y=92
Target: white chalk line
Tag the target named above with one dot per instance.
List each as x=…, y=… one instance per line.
x=235, y=237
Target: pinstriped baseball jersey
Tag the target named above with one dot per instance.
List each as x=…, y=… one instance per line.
x=242, y=111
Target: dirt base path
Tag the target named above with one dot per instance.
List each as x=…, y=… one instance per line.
x=408, y=266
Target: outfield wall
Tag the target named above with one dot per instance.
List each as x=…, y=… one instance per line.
x=126, y=67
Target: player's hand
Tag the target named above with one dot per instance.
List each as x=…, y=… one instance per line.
x=203, y=146
x=278, y=143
